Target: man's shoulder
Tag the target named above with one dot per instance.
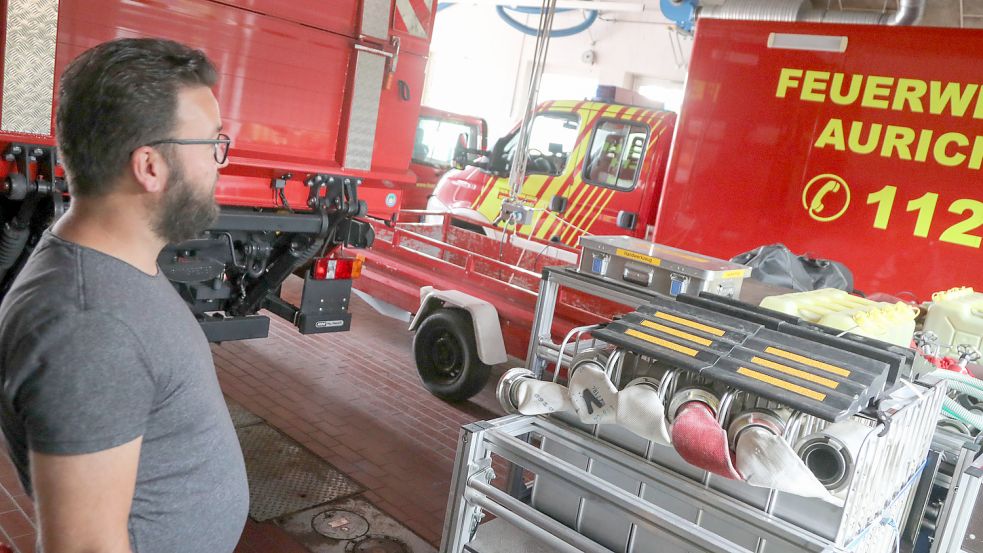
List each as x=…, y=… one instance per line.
x=61, y=287
x=47, y=288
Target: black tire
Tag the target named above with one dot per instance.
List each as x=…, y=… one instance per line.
x=447, y=356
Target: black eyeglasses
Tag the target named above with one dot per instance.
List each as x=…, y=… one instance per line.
x=221, y=145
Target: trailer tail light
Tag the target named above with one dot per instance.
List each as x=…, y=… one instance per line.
x=331, y=268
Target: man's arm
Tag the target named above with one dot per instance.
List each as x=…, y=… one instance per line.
x=83, y=501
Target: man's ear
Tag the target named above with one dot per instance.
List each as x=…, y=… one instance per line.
x=149, y=169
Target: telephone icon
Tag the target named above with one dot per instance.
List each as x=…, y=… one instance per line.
x=826, y=197
x=816, y=206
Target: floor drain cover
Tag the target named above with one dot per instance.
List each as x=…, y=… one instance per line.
x=284, y=477
x=240, y=415
x=340, y=525
x=312, y=528
x=377, y=544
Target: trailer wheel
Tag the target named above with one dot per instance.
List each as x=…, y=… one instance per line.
x=447, y=356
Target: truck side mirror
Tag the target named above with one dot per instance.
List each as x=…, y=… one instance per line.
x=627, y=220
x=461, y=151
x=558, y=204
x=497, y=162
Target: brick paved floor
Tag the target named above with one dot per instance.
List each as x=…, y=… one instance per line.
x=353, y=398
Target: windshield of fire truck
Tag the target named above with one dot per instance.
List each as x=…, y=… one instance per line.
x=551, y=141
x=437, y=138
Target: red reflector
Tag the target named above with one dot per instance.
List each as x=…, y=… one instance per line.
x=328, y=268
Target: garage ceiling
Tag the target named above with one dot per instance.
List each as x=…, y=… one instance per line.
x=939, y=13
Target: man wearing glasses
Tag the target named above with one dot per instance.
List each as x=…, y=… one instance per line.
x=109, y=401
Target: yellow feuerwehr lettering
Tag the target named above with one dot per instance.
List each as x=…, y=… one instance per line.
x=976, y=159
x=898, y=139
x=787, y=79
x=873, y=137
x=978, y=112
x=941, y=151
x=877, y=91
x=924, y=143
x=814, y=86
x=910, y=91
x=953, y=95
x=832, y=135
x=836, y=89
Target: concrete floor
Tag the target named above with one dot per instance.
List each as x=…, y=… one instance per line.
x=353, y=398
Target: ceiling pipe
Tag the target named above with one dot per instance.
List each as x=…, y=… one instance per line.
x=909, y=12
x=600, y=5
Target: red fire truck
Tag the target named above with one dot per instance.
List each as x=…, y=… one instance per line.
x=855, y=143
x=320, y=103
x=594, y=167
x=440, y=135
x=848, y=142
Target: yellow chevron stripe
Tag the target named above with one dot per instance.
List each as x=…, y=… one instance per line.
x=490, y=181
x=807, y=361
x=612, y=110
x=794, y=388
x=588, y=118
x=599, y=211
x=564, y=104
x=591, y=193
x=605, y=193
x=677, y=333
x=795, y=372
x=660, y=342
x=533, y=185
x=686, y=322
x=590, y=205
x=574, y=185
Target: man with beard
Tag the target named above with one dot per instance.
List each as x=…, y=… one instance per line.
x=109, y=402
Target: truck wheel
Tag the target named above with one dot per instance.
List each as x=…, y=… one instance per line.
x=447, y=356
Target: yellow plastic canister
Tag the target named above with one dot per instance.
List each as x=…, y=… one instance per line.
x=956, y=316
x=893, y=323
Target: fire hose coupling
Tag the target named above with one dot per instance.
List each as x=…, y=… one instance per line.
x=832, y=453
x=520, y=392
x=689, y=395
x=759, y=418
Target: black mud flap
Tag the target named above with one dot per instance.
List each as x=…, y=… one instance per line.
x=324, y=306
x=227, y=329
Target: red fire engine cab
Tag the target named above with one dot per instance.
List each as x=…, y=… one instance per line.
x=319, y=102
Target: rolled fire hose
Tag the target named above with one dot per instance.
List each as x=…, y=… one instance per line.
x=519, y=392
x=766, y=460
x=697, y=436
x=641, y=411
x=594, y=397
x=831, y=454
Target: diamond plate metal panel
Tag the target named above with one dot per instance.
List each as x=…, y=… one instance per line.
x=29, y=66
x=240, y=415
x=364, y=114
x=284, y=477
x=375, y=18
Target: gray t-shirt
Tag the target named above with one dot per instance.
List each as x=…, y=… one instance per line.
x=95, y=353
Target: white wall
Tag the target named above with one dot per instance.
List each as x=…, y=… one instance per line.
x=480, y=66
